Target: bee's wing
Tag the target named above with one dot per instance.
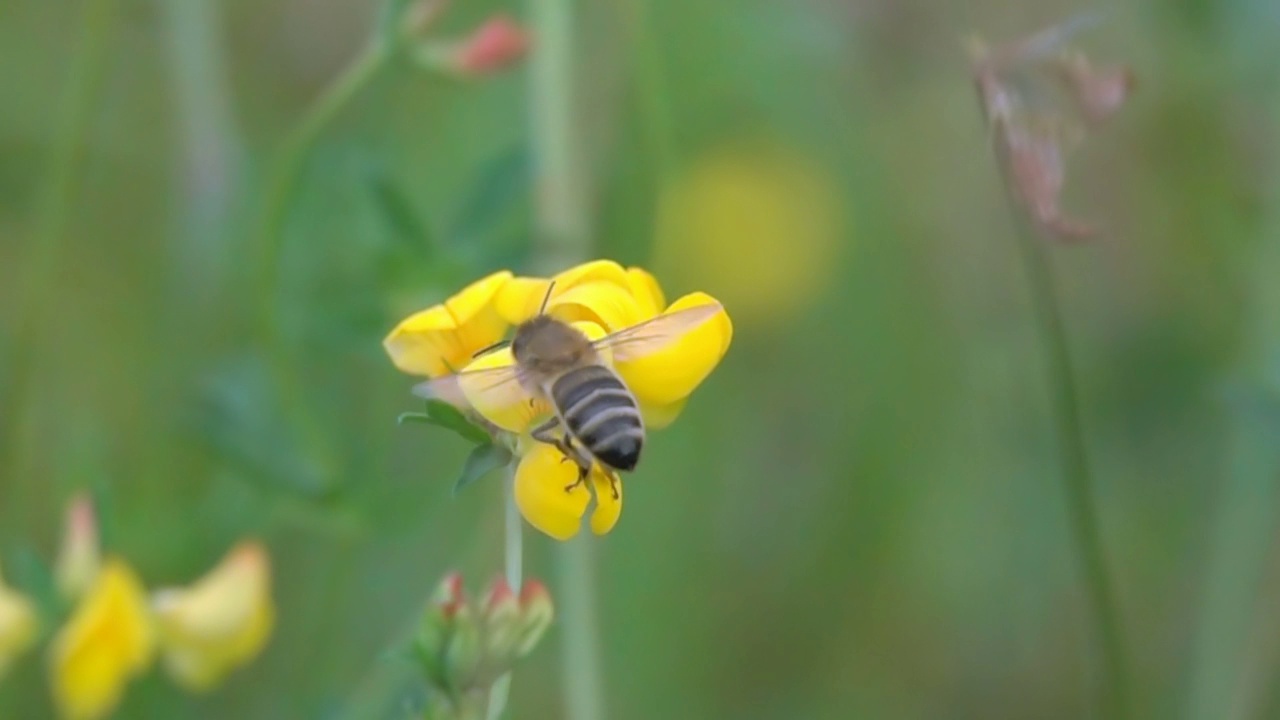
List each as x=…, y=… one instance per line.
x=491, y=387
x=653, y=335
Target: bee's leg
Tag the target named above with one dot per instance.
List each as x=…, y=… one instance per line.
x=613, y=485
x=545, y=432
x=584, y=469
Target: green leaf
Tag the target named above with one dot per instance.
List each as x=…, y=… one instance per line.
x=442, y=414
x=482, y=461
x=394, y=206
x=496, y=207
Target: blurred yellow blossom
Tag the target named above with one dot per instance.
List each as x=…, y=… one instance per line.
x=599, y=298
x=79, y=557
x=757, y=223
x=107, y=642
x=441, y=339
x=220, y=622
x=17, y=625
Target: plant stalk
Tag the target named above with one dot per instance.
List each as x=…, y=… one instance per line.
x=514, y=563
x=1078, y=483
x=44, y=253
x=563, y=237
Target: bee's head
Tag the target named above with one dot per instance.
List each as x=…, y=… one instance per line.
x=547, y=344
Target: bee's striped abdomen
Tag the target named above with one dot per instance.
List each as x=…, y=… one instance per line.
x=601, y=414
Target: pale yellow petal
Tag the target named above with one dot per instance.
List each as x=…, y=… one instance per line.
x=219, y=623
x=108, y=641
x=18, y=625
x=672, y=373
x=500, y=398
x=540, y=492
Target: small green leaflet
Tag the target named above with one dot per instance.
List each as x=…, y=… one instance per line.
x=483, y=460
x=442, y=414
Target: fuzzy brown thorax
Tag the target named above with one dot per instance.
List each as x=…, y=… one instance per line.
x=547, y=346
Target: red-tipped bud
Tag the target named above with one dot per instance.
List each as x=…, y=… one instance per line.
x=501, y=623
x=449, y=596
x=494, y=46
x=79, y=557
x=536, y=613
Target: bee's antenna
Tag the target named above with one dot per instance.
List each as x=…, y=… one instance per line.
x=489, y=348
x=550, y=286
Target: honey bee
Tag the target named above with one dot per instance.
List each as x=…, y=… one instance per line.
x=596, y=416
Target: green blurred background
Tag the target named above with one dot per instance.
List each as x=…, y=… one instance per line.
x=859, y=515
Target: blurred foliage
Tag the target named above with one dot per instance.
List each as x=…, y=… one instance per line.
x=859, y=515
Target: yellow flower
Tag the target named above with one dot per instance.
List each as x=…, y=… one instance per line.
x=107, y=642
x=17, y=625
x=599, y=298
x=220, y=622
x=759, y=223
x=441, y=339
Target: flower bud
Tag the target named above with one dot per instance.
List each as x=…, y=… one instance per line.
x=464, y=651
x=494, y=46
x=436, y=629
x=501, y=623
x=536, y=614
x=79, y=558
x=497, y=44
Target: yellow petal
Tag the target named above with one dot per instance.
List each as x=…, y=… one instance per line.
x=611, y=306
x=648, y=294
x=657, y=417
x=444, y=337
x=608, y=508
x=220, y=622
x=672, y=373
x=107, y=641
x=540, y=482
x=18, y=625
x=523, y=296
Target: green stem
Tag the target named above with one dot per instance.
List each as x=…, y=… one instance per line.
x=288, y=165
x=650, y=73
x=211, y=151
x=582, y=677
x=1077, y=479
x=283, y=181
x=514, y=562
x=563, y=238
x=44, y=252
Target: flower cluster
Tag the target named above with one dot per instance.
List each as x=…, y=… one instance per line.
x=599, y=298
x=464, y=647
x=114, y=631
x=1032, y=137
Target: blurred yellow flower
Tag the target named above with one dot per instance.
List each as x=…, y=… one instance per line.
x=220, y=622
x=18, y=625
x=757, y=223
x=599, y=298
x=108, y=641
x=441, y=339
